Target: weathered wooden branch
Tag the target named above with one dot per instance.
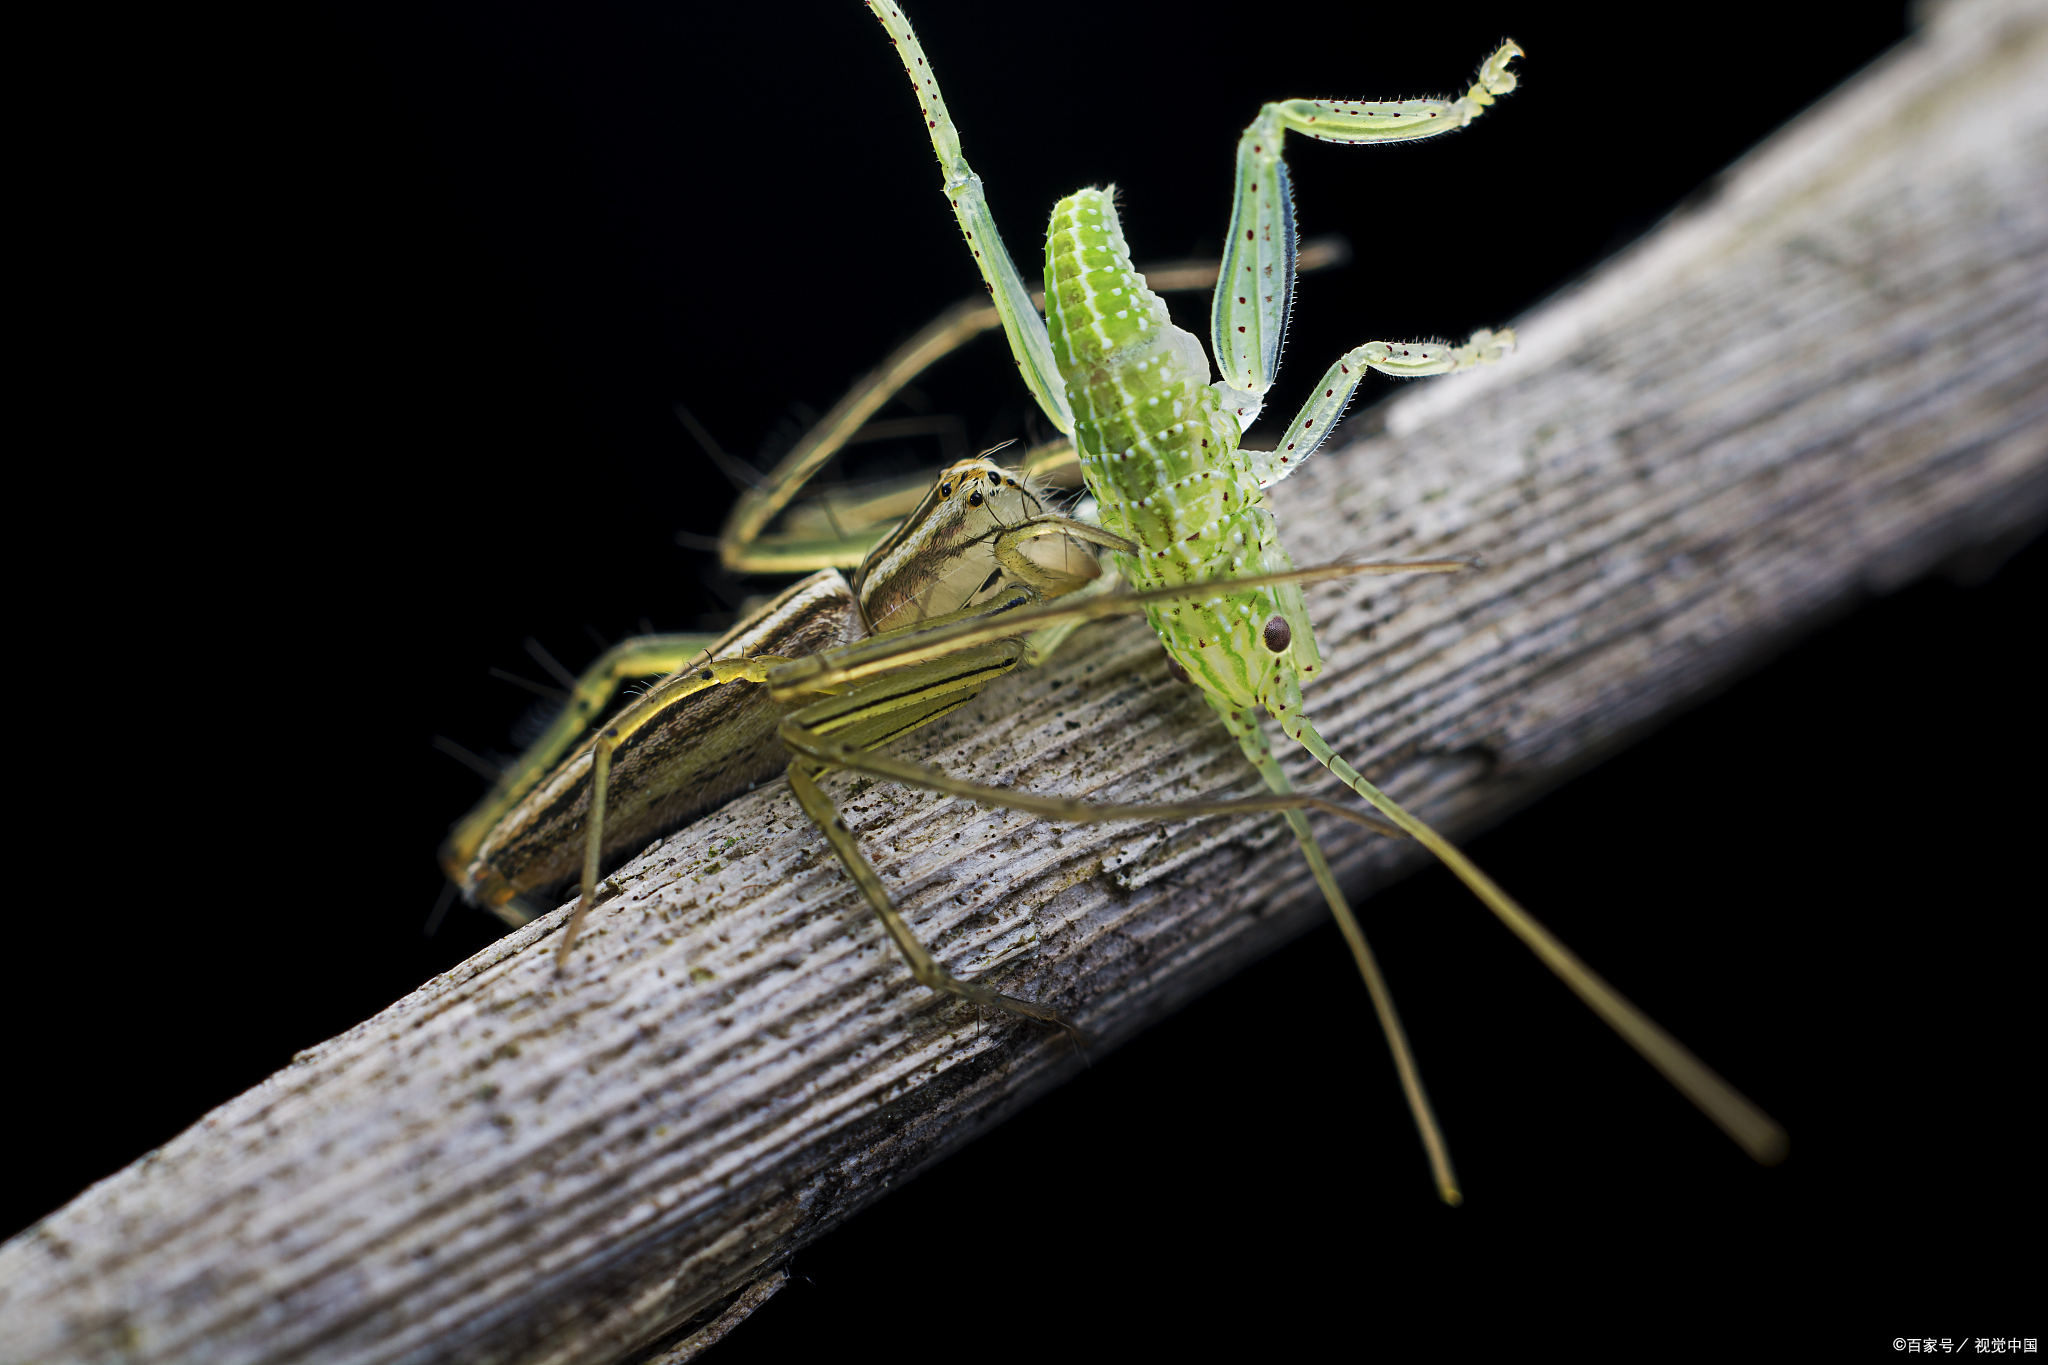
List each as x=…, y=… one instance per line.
x=1830, y=375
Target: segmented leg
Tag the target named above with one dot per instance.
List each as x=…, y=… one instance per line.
x=836, y=734
x=1248, y=320
x=1021, y=323
x=1749, y=1126
x=1003, y=618
x=890, y=684
x=1251, y=737
x=743, y=547
x=702, y=677
x=1325, y=408
x=923, y=965
x=642, y=656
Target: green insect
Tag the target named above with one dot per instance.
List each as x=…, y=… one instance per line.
x=1160, y=450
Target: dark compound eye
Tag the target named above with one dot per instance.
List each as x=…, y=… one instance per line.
x=974, y=500
x=945, y=490
x=1179, y=674
x=1279, y=635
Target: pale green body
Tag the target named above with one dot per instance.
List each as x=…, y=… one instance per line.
x=1160, y=448
x=1160, y=454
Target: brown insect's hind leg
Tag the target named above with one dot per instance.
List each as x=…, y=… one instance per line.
x=925, y=967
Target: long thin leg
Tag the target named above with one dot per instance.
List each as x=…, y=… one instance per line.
x=871, y=717
x=913, y=677
x=740, y=547
x=643, y=656
x=923, y=965
x=826, y=751
x=744, y=546
x=1251, y=737
x=1008, y=615
x=1752, y=1129
x=1248, y=320
x=1325, y=408
x=908, y=697
x=1021, y=323
x=621, y=728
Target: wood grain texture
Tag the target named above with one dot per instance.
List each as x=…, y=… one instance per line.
x=1829, y=375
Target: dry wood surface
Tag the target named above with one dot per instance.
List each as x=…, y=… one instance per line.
x=1827, y=376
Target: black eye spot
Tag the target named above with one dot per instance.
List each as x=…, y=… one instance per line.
x=945, y=490
x=1179, y=674
x=974, y=500
x=1279, y=634
x=705, y=675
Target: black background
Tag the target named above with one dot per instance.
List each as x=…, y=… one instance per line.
x=360, y=339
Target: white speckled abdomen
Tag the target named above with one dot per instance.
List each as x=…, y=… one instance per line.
x=1159, y=452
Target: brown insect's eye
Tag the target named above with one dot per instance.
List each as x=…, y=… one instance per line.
x=945, y=490
x=1179, y=674
x=974, y=500
x=1279, y=634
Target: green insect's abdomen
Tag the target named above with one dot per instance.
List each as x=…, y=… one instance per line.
x=1159, y=452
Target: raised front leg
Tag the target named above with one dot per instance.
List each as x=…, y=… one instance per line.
x=1021, y=323
x=1248, y=321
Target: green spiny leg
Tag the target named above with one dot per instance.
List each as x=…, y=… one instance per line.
x=642, y=656
x=1753, y=1130
x=1021, y=323
x=1248, y=320
x=1251, y=737
x=1325, y=408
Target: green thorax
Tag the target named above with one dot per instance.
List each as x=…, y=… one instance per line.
x=1159, y=452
